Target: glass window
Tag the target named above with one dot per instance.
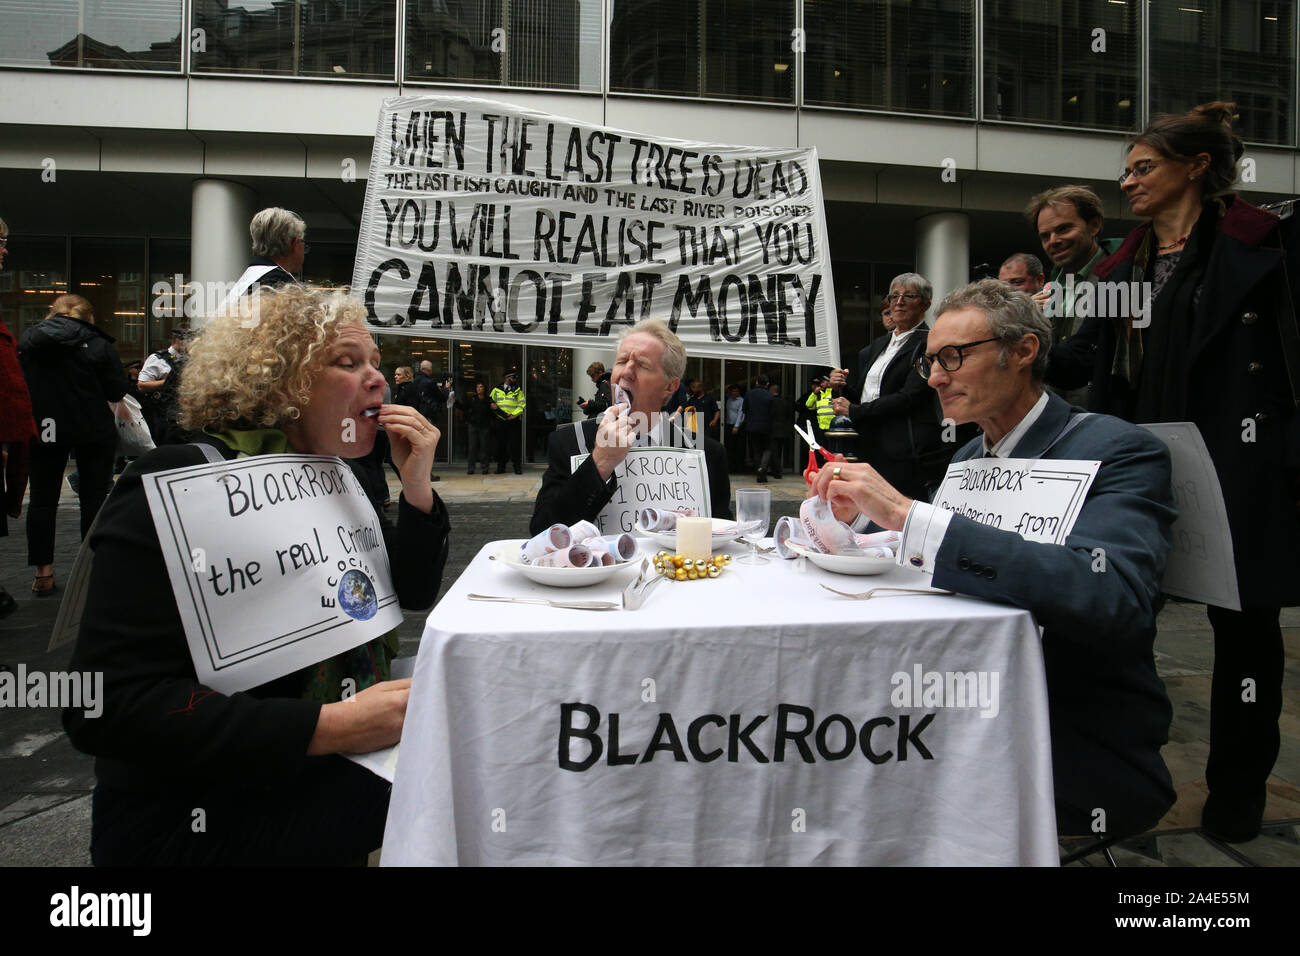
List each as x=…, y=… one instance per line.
x=1071, y=63
x=914, y=56
x=169, y=276
x=110, y=35
x=328, y=38
x=548, y=394
x=111, y=274
x=35, y=274
x=399, y=350
x=733, y=49
x=1241, y=51
x=542, y=43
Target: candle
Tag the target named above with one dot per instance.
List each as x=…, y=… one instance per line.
x=695, y=537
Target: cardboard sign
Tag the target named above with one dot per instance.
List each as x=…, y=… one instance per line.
x=654, y=476
x=1201, y=565
x=487, y=221
x=277, y=562
x=1039, y=499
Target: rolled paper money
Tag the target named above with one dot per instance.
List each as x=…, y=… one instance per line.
x=823, y=531
x=788, y=529
x=574, y=556
x=584, y=530
x=554, y=538
x=880, y=551
x=622, y=547
x=661, y=519
x=878, y=539
x=606, y=558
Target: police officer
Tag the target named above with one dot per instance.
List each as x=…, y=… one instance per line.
x=508, y=407
x=159, y=386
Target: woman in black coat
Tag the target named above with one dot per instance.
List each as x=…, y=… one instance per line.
x=1212, y=350
x=73, y=372
x=263, y=764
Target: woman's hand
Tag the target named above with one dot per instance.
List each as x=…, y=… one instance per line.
x=372, y=720
x=413, y=439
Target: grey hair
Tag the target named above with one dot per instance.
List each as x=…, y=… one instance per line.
x=914, y=283
x=1011, y=315
x=674, y=358
x=273, y=231
x=1033, y=265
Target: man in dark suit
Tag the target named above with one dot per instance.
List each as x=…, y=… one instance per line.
x=1096, y=595
x=647, y=369
x=888, y=402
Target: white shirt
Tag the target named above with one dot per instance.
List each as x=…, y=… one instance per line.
x=155, y=368
x=926, y=525
x=871, y=387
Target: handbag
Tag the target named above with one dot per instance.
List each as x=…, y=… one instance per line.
x=133, y=438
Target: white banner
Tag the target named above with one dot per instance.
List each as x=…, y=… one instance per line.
x=277, y=562
x=653, y=477
x=486, y=221
x=1201, y=564
x=1039, y=499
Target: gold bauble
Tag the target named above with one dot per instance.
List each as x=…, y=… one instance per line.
x=714, y=571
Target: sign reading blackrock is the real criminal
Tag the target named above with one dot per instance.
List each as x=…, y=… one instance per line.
x=486, y=221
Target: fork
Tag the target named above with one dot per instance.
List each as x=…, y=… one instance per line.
x=576, y=605
x=874, y=591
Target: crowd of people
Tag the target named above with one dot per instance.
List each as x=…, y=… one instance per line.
x=1026, y=365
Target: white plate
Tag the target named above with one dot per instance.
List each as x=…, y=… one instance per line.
x=848, y=563
x=509, y=555
x=668, y=539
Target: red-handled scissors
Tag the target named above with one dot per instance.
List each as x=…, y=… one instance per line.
x=814, y=449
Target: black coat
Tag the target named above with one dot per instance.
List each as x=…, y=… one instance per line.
x=160, y=730
x=73, y=372
x=901, y=434
x=1234, y=374
x=568, y=497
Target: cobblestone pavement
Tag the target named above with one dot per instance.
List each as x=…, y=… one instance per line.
x=45, y=784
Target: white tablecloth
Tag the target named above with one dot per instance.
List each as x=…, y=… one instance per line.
x=480, y=779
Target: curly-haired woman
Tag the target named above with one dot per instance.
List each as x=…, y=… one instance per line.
x=263, y=765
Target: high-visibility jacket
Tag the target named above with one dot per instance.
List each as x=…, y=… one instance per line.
x=821, y=401
x=509, y=403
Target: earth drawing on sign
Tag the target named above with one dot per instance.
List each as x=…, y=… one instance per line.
x=357, y=596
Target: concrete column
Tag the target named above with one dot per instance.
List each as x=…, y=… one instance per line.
x=582, y=387
x=219, y=245
x=943, y=253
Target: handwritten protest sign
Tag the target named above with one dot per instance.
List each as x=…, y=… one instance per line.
x=1201, y=566
x=277, y=562
x=486, y=221
x=1036, y=498
x=653, y=476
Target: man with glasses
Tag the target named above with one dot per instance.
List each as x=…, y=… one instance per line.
x=1096, y=595
x=888, y=403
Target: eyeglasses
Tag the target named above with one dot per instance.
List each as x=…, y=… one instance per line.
x=902, y=297
x=949, y=358
x=1139, y=170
